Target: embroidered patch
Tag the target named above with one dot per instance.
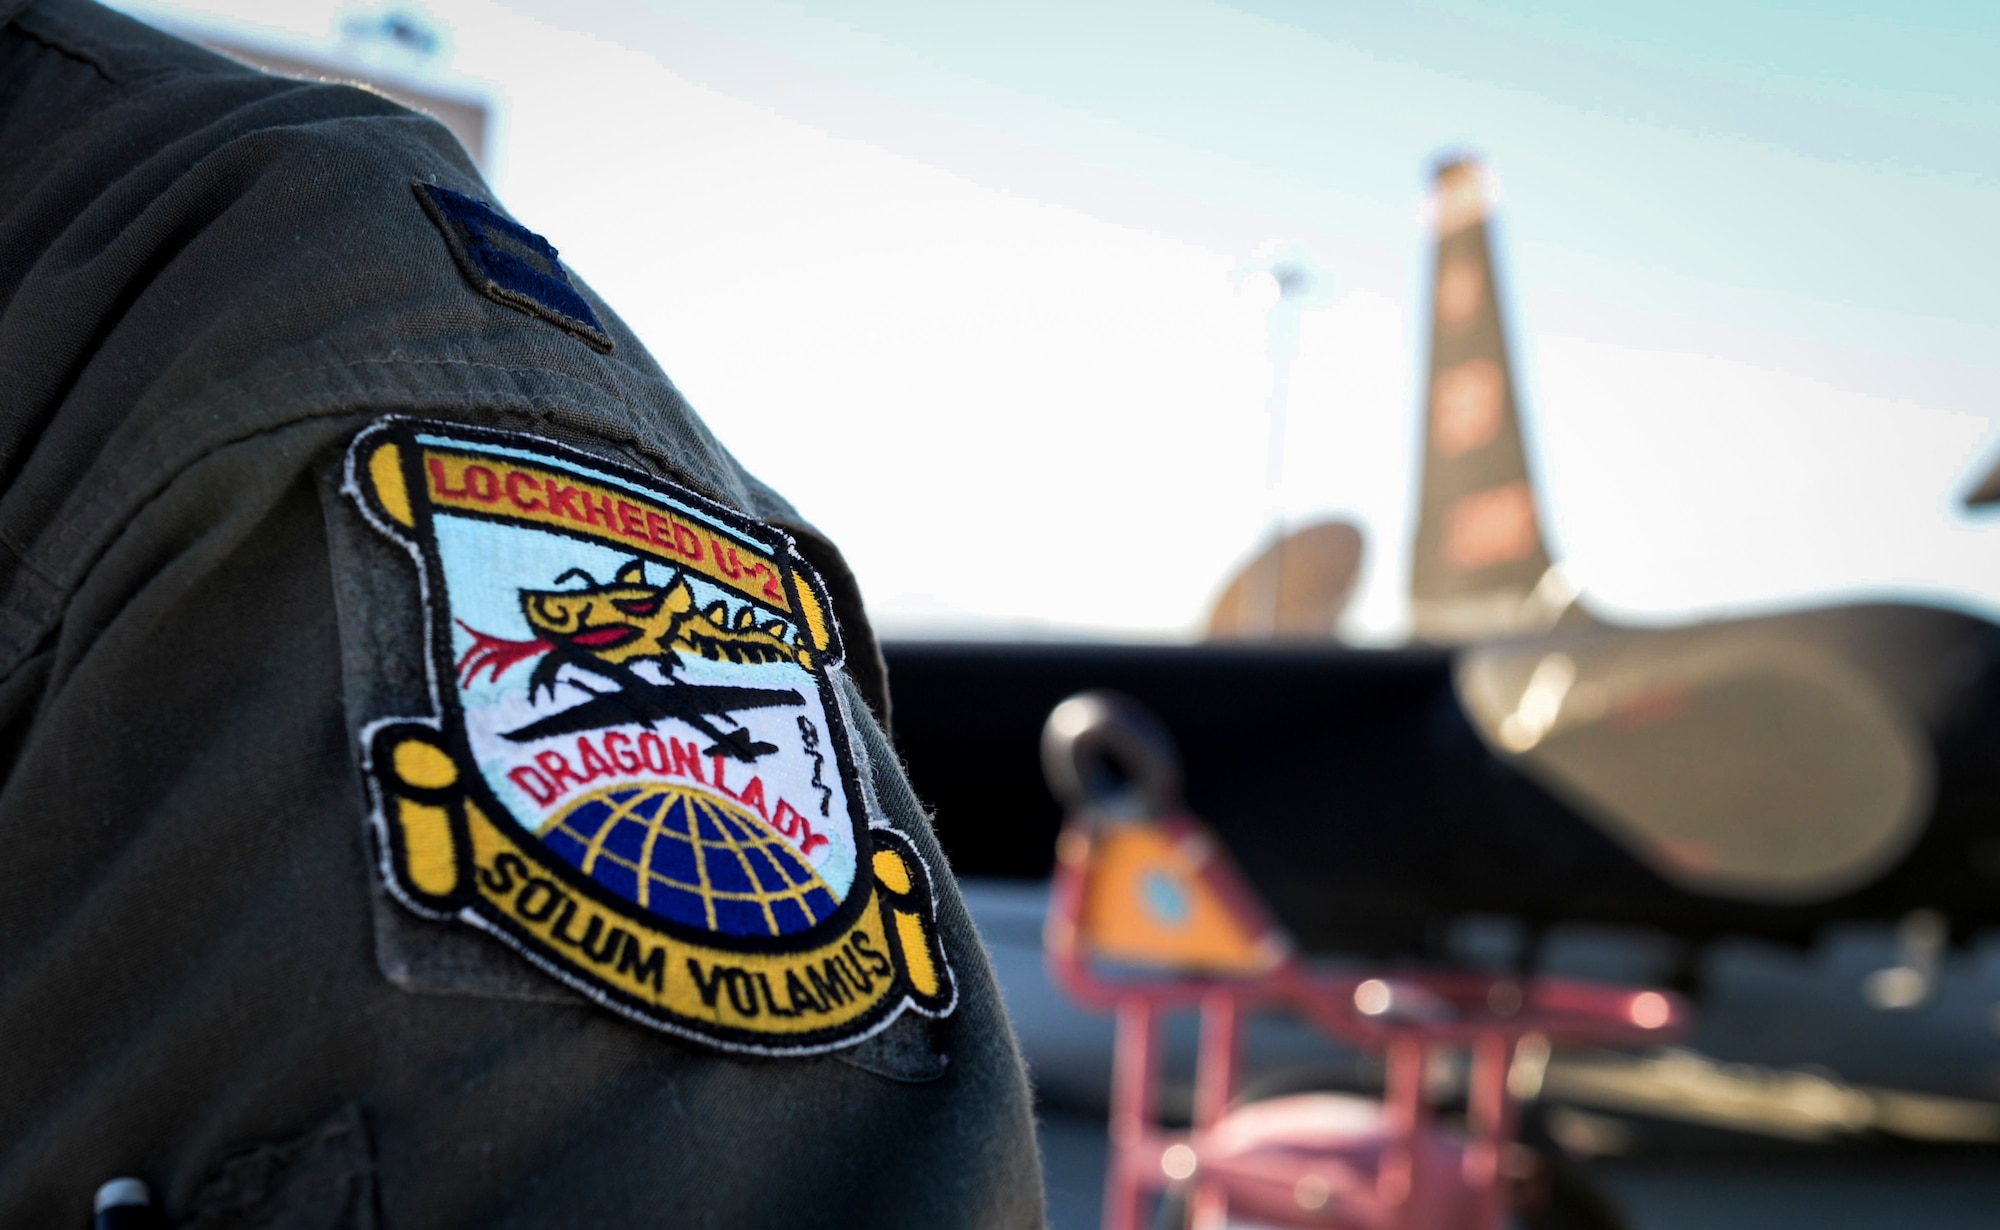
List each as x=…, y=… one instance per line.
x=509, y=263
x=638, y=771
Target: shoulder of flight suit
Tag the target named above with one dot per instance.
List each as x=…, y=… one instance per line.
x=210, y=281
x=186, y=232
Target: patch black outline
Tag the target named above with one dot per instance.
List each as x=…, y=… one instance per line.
x=444, y=729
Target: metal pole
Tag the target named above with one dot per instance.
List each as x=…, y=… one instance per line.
x=1132, y=1083
x=1214, y=1087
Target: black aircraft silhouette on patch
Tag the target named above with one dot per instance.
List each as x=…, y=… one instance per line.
x=603, y=630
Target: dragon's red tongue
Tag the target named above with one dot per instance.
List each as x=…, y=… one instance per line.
x=599, y=638
x=494, y=654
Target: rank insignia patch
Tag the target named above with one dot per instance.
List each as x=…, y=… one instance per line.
x=510, y=264
x=638, y=771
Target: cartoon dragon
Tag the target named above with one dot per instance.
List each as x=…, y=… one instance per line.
x=605, y=630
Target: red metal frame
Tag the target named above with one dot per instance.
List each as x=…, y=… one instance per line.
x=1406, y=1171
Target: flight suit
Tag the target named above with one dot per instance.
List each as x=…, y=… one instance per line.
x=214, y=285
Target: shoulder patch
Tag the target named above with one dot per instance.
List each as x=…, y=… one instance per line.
x=509, y=263
x=638, y=770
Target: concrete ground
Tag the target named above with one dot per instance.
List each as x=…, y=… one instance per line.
x=1707, y=1189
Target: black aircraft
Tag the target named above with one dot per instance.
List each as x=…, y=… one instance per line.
x=637, y=699
x=603, y=630
x=1763, y=777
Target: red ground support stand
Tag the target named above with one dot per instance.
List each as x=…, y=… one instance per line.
x=1314, y=1159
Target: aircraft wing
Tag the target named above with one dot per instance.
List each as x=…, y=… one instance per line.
x=1365, y=796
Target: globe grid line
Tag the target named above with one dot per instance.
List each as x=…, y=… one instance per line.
x=698, y=844
x=622, y=811
x=645, y=855
x=750, y=873
x=737, y=832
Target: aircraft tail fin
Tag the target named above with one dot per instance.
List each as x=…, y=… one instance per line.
x=1296, y=588
x=1481, y=567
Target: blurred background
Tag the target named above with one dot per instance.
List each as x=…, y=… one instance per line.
x=985, y=290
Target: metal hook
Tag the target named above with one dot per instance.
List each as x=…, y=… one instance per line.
x=1105, y=752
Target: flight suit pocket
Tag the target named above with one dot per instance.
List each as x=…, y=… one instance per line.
x=323, y=1179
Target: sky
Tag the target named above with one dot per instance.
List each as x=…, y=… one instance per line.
x=976, y=286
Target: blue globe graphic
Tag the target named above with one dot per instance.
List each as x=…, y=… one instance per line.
x=690, y=857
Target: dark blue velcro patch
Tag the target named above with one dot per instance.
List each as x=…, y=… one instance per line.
x=509, y=263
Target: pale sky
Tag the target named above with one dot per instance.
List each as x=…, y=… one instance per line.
x=968, y=284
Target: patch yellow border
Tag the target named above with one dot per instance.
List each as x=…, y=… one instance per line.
x=447, y=847
x=506, y=489
x=445, y=854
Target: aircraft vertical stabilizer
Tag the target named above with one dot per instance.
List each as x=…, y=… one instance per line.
x=1480, y=567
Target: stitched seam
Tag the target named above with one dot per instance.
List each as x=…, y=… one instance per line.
x=59, y=593
x=43, y=621
x=146, y=450
x=20, y=553
x=66, y=543
x=62, y=49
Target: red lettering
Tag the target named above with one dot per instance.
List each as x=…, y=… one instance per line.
x=557, y=768
x=659, y=530
x=687, y=763
x=517, y=480
x=596, y=513
x=482, y=483
x=594, y=765
x=771, y=589
x=788, y=820
x=650, y=746
x=440, y=485
x=796, y=826
x=686, y=543
x=539, y=787
x=625, y=760
x=562, y=499
x=731, y=566
x=629, y=522
x=720, y=784
x=753, y=794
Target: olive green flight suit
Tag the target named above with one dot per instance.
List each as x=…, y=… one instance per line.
x=210, y=281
